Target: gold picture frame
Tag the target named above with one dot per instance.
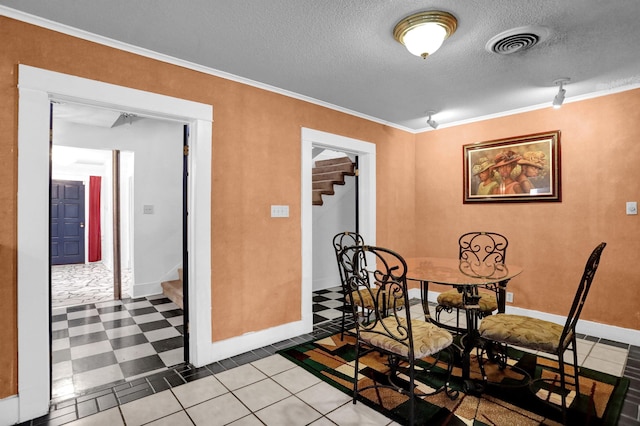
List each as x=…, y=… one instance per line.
x=517, y=169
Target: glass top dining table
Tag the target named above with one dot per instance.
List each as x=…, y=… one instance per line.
x=461, y=273
x=458, y=272
x=467, y=277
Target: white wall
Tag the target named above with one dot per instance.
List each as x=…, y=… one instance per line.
x=337, y=214
x=156, y=147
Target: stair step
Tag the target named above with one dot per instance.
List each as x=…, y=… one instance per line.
x=173, y=291
x=323, y=185
x=317, y=197
x=346, y=168
x=332, y=161
x=335, y=177
x=328, y=173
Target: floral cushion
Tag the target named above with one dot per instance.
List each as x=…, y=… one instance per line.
x=453, y=299
x=518, y=330
x=428, y=338
x=365, y=300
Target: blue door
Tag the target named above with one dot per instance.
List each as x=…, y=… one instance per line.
x=67, y=222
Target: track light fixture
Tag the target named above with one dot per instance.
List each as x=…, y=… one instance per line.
x=431, y=122
x=559, y=99
x=127, y=117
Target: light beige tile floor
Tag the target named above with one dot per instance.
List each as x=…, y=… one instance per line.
x=274, y=391
x=271, y=391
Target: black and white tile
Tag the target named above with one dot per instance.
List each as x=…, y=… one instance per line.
x=113, y=341
x=328, y=304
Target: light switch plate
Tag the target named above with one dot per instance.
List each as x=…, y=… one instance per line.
x=632, y=207
x=279, y=211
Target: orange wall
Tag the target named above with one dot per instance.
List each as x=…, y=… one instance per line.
x=256, y=163
x=600, y=153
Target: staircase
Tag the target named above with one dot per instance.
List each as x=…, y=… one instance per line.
x=173, y=289
x=327, y=173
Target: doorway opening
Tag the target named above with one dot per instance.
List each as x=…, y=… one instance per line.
x=37, y=89
x=101, y=335
x=362, y=214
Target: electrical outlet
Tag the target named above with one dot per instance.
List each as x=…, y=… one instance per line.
x=632, y=207
x=509, y=297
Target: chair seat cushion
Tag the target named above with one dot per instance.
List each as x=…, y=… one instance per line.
x=453, y=299
x=518, y=330
x=365, y=300
x=428, y=338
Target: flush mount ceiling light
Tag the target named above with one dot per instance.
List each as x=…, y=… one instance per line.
x=559, y=99
x=431, y=122
x=423, y=33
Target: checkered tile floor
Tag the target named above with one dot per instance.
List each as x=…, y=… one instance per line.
x=328, y=305
x=114, y=341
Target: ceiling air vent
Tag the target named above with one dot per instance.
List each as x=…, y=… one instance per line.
x=517, y=40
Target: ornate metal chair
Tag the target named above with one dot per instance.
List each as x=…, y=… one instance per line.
x=481, y=249
x=340, y=242
x=392, y=332
x=545, y=336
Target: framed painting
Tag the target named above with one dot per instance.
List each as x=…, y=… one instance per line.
x=518, y=169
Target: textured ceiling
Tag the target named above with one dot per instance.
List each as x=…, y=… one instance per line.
x=343, y=52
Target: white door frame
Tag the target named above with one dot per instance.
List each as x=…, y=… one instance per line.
x=37, y=87
x=366, y=152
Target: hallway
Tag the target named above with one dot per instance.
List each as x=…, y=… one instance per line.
x=82, y=283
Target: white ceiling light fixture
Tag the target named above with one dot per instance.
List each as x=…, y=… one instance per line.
x=431, y=122
x=423, y=33
x=559, y=99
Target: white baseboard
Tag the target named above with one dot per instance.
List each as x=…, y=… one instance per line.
x=254, y=340
x=153, y=288
x=9, y=410
x=148, y=289
x=324, y=283
x=590, y=328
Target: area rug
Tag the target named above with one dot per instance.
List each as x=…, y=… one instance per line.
x=506, y=398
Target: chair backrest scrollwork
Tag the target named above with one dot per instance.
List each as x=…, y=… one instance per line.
x=384, y=282
x=482, y=254
x=342, y=241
